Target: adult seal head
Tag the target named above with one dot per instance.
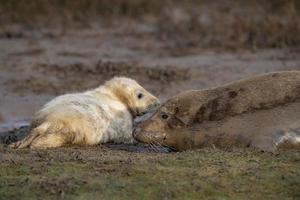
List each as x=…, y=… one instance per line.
x=261, y=112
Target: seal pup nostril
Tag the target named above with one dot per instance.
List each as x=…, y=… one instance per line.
x=153, y=107
x=157, y=104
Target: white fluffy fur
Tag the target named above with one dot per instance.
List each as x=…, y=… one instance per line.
x=104, y=114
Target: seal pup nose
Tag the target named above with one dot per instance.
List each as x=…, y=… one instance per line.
x=153, y=106
x=156, y=104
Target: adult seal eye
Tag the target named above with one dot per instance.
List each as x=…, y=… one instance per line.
x=164, y=116
x=140, y=96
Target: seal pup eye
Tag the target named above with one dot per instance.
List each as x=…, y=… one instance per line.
x=164, y=116
x=140, y=95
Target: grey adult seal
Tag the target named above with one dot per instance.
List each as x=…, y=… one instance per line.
x=261, y=112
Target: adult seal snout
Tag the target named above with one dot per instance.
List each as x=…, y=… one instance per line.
x=261, y=112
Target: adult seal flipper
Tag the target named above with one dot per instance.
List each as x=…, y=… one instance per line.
x=261, y=112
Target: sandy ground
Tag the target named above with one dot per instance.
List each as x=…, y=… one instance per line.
x=38, y=66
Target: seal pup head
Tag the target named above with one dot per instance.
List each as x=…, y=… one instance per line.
x=138, y=100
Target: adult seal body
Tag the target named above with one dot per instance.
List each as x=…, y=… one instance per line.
x=101, y=115
x=262, y=112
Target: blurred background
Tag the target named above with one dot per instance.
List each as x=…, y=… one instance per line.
x=52, y=47
x=183, y=25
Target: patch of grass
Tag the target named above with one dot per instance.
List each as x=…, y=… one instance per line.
x=112, y=174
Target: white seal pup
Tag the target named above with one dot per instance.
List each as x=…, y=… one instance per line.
x=101, y=115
